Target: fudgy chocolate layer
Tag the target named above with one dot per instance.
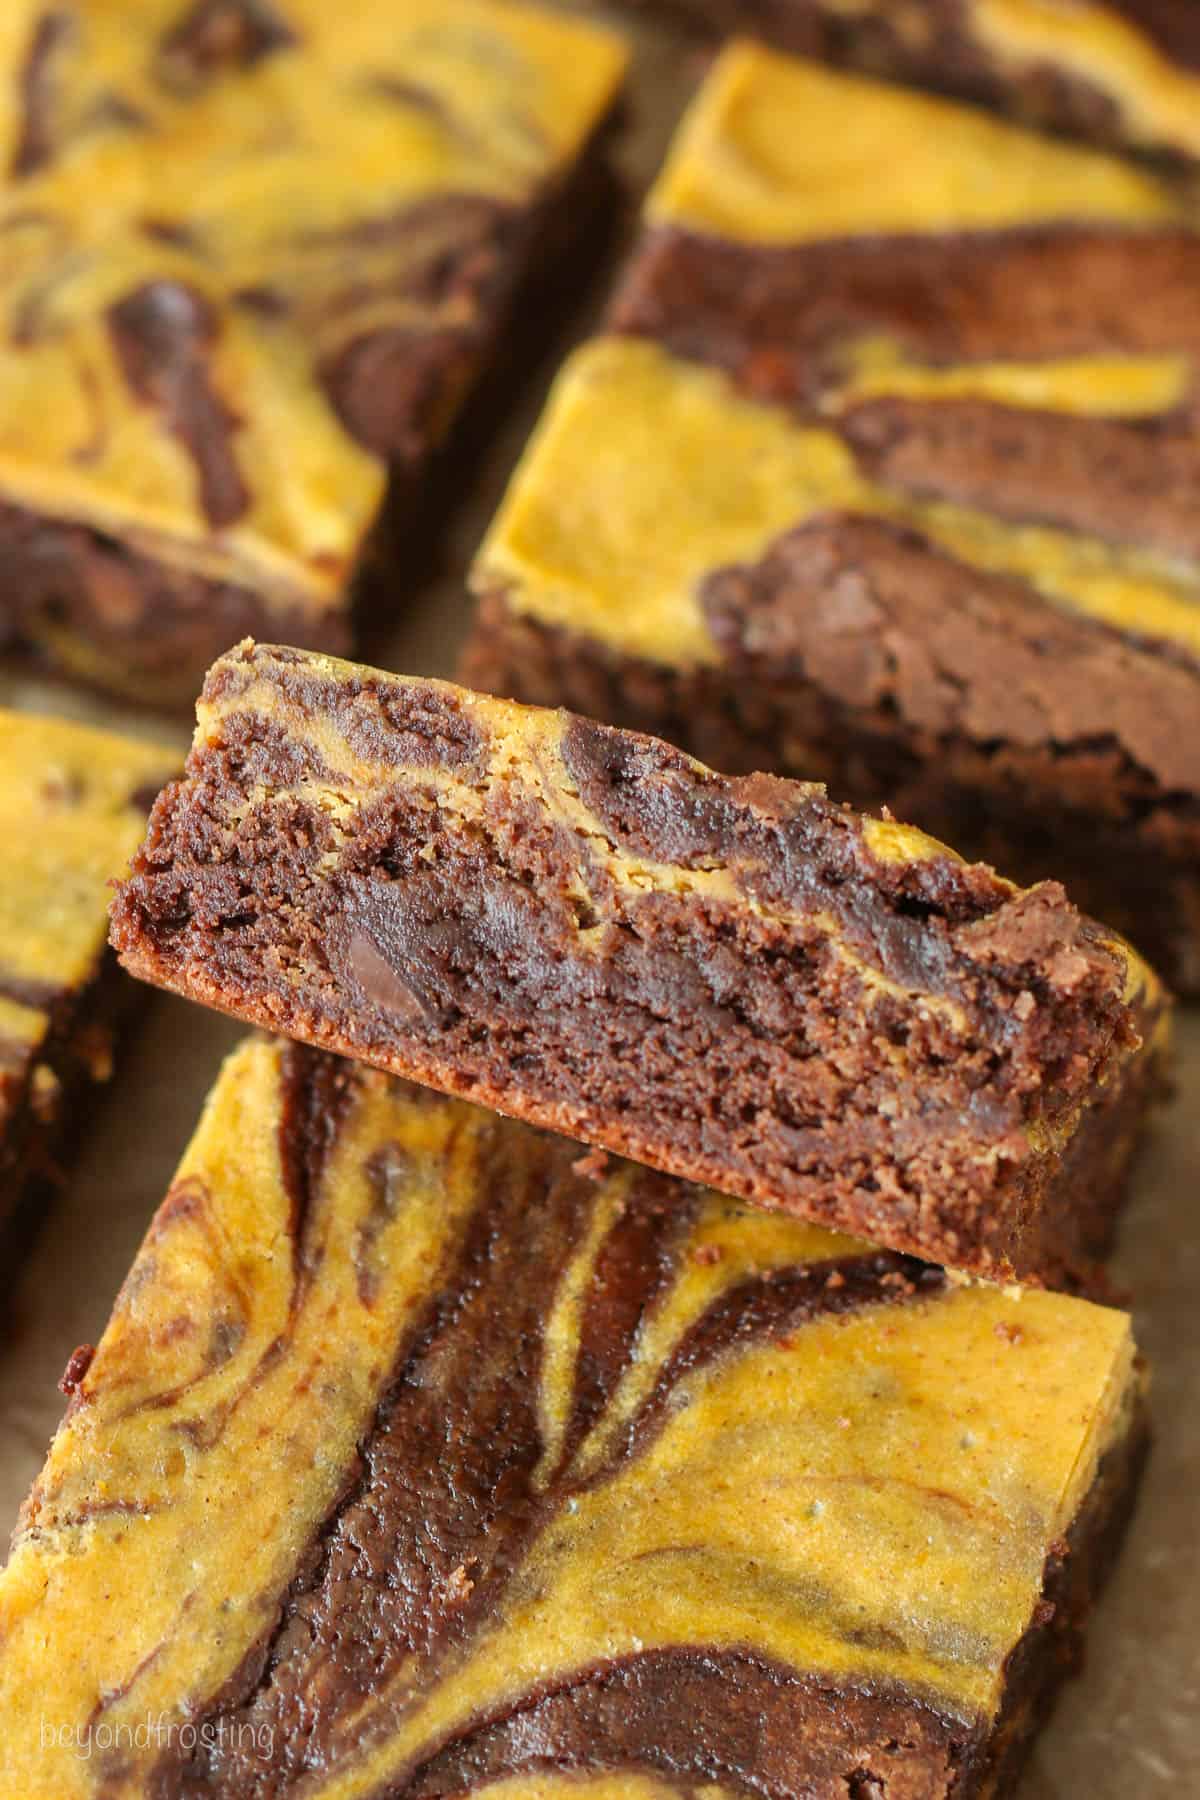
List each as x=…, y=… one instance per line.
x=861, y=656
x=739, y=1017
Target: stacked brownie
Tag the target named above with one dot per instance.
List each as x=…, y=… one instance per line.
x=883, y=475
x=460, y=1458
x=254, y=255
x=734, y=980
x=629, y=1325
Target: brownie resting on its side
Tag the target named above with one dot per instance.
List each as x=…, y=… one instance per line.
x=1124, y=72
x=733, y=980
x=73, y=805
x=885, y=476
x=254, y=257
x=424, y=1460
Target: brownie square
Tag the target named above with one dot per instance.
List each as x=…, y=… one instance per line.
x=884, y=474
x=254, y=256
x=73, y=806
x=420, y=1458
x=1122, y=72
x=736, y=981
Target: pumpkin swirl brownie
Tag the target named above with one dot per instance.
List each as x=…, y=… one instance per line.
x=879, y=479
x=420, y=1458
x=1123, y=72
x=733, y=980
x=73, y=805
x=251, y=258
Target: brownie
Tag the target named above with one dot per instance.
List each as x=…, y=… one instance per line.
x=733, y=980
x=73, y=805
x=1123, y=72
x=255, y=255
x=883, y=474
x=423, y=1457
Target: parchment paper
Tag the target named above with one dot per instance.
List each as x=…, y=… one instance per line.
x=1130, y=1727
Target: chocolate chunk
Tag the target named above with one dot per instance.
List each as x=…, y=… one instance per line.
x=78, y=1364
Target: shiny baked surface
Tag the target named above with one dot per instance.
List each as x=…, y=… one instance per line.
x=577, y=1428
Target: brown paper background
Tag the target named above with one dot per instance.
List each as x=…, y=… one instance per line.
x=1130, y=1727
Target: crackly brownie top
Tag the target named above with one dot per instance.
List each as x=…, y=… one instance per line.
x=209, y=209
x=73, y=804
x=906, y=328
x=421, y=1454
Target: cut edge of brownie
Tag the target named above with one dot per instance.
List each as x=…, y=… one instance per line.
x=722, y=1038
x=1133, y=862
